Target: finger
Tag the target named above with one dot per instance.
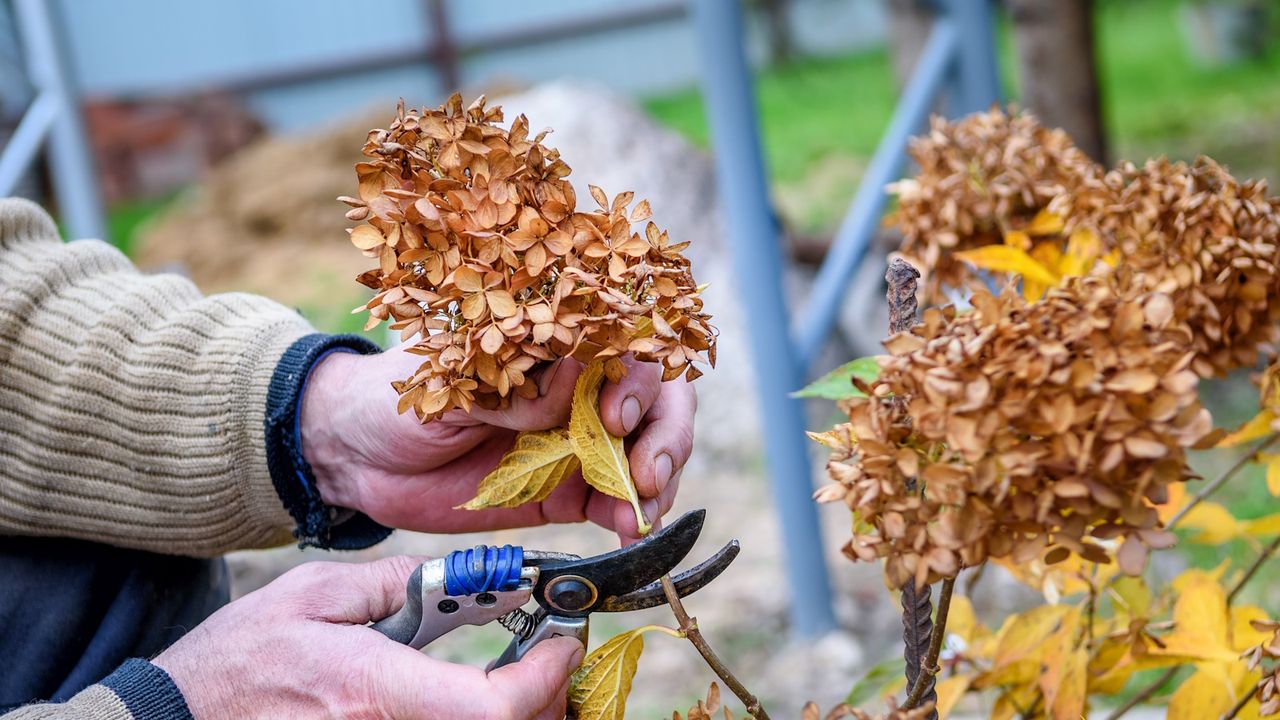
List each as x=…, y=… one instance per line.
x=350, y=592
x=666, y=440
x=549, y=409
x=622, y=405
x=536, y=681
x=618, y=515
x=559, y=707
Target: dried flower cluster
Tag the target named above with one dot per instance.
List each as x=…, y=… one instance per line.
x=980, y=178
x=1020, y=427
x=1268, y=691
x=1192, y=231
x=483, y=254
x=1195, y=232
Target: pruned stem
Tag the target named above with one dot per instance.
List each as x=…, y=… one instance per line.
x=689, y=626
x=924, y=690
x=1244, y=700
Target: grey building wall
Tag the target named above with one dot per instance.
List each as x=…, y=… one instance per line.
x=157, y=47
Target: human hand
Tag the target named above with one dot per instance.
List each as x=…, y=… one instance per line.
x=299, y=648
x=405, y=474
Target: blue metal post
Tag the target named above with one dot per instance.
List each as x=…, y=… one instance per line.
x=977, y=76
x=757, y=264
x=863, y=217
x=48, y=64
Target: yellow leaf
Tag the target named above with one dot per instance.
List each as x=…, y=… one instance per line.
x=1020, y=644
x=1045, y=223
x=1200, y=621
x=1018, y=239
x=1068, y=670
x=1243, y=634
x=599, y=688
x=950, y=691
x=1082, y=250
x=604, y=460
x=961, y=620
x=1216, y=524
x=1273, y=475
x=1257, y=428
x=528, y=473
x=1263, y=526
x=1049, y=255
x=1171, y=506
x=1003, y=258
x=1211, y=691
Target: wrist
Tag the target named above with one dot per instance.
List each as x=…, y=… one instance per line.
x=325, y=401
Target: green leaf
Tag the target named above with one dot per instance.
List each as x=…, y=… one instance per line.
x=872, y=685
x=838, y=384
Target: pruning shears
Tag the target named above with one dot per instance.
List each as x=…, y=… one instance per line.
x=486, y=584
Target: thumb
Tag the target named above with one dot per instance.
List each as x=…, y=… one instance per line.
x=539, y=679
x=351, y=592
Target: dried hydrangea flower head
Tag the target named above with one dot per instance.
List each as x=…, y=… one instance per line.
x=1026, y=426
x=1195, y=232
x=980, y=177
x=484, y=255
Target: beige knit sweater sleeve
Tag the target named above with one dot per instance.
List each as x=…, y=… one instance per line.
x=131, y=406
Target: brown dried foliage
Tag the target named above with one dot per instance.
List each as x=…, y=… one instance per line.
x=1268, y=691
x=1024, y=427
x=484, y=255
x=1196, y=233
x=980, y=177
x=1209, y=241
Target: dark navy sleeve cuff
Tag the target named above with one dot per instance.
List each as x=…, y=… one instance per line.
x=147, y=691
x=318, y=525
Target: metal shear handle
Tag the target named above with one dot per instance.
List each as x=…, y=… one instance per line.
x=466, y=587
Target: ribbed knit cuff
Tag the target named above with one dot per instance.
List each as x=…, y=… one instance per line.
x=318, y=525
x=147, y=691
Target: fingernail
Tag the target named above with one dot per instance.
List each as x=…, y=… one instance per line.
x=662, y=467
x=630, y=413
x=650, y=509
x=578, y=655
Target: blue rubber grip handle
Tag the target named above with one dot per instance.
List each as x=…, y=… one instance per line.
x=483, y=568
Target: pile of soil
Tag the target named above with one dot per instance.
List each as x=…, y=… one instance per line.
x=266, y=221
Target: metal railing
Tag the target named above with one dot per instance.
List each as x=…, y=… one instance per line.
x=53, y=122
x=959, y=58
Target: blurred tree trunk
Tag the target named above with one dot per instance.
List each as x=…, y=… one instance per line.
x=782, y=46
x=909, y=24
x=1057, y=70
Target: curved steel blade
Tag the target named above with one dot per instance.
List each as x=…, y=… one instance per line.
x=687, y=583
x=621, y=571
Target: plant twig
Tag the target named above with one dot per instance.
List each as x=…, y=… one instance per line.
x=924, y=690
x=1221, y=480
x=689, y=626
x=1263, y=557
x=1145, y=695
x=1239, y=705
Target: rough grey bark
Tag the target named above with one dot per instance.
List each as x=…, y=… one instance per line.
x=1057, y=69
